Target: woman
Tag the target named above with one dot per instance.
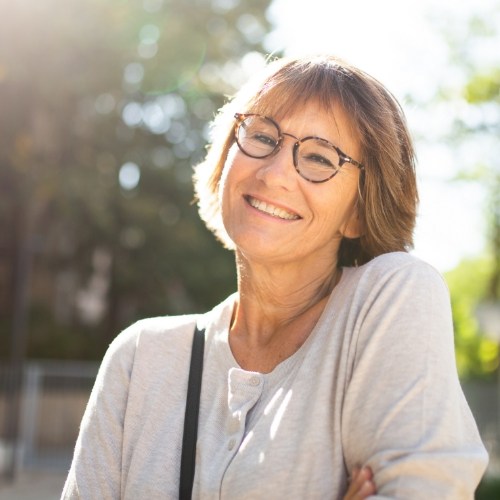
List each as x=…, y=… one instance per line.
x=337, y=350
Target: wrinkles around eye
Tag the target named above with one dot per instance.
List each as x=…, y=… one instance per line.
x=320, y=160
x=265, y=139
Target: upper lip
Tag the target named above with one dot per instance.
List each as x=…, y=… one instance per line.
x=273, y=204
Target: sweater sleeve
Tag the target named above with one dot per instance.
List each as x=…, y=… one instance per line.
x=96, y=468
x=404, y=412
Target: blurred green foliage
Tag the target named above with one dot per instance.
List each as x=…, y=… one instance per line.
x=104, y=111
x=484, y=87
x=483, y=91
x=476, y=127
x=476, y=354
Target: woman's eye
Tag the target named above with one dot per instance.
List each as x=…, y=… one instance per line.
x=320, y=160
x=264, y=139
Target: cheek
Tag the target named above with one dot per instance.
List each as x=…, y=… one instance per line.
x=350, y=222
x=340, y=206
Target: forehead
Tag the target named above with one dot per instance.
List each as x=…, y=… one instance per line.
x=281, y=102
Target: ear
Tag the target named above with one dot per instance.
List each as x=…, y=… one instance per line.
x=353, y=227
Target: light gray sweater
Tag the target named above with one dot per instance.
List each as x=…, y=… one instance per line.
x=375, y=383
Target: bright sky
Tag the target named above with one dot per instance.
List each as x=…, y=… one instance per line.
x=400, y=43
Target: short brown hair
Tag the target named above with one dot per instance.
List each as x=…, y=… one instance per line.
x=388, y=198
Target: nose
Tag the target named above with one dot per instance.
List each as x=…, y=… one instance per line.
x=278, y=170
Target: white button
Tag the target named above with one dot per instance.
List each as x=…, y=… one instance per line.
x=234, y=425
x=231, y=444
x=255, y=381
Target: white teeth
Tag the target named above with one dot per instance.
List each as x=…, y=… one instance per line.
x=272, y=210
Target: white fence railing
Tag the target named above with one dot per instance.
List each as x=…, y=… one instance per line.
x=53, y=397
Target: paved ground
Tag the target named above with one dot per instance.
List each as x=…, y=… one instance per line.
x=34, y=486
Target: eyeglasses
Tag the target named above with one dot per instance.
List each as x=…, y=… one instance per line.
x=315, y=159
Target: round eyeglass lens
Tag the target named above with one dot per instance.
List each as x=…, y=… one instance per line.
x=257, y=136
x=316, y=160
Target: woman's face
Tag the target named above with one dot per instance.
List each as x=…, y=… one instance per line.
x=272, y=214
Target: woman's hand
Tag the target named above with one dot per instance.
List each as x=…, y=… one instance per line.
x=361, y=484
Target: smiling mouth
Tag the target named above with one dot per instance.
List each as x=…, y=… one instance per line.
x=277, y=212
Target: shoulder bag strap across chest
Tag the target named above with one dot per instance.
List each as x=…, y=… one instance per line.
x=190, y=435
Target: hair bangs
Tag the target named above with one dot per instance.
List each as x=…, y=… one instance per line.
x=292, y=88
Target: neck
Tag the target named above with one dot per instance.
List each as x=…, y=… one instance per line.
x=277, y=309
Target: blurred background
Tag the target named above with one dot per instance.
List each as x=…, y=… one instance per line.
x=104, y=109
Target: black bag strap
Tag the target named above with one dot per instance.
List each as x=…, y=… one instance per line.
x=191, y=416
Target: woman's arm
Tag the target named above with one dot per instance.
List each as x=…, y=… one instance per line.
x=96, y=468
x=405, y=415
